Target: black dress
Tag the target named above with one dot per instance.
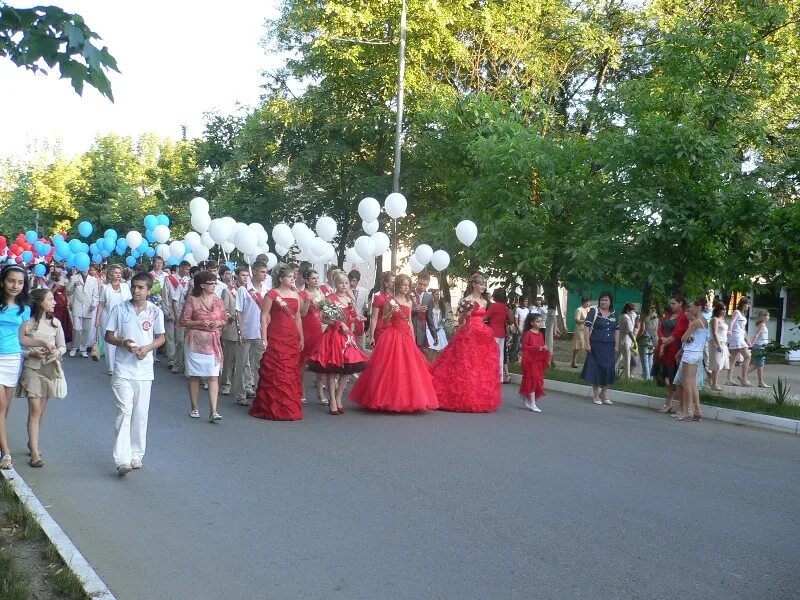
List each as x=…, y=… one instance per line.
x=599, y=368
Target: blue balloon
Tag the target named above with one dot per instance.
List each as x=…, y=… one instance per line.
x=163, y=219
x=82, y=261
x=108, y=244
x=135, y=254
x=93, y=249
x=11, y=261
x=97, y=259
x=149, y=236
x=130, y=261
x=46, y=248
x=39, y=270
x=27, y=256
x=105, y=253
x=70, y=260
x=122, y=243
x=110, y=234
x=231, y=265
x=57, y=238
x=75, y=245
x=85, y=228
x=143, y=246
x=31, y=237
x=172, y=261
x=150, y=252
x=150, y=222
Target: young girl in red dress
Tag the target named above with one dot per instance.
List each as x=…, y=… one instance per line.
x=310, y=299
x=397, y=379
x=337, y=352
x=535, y=360
x=376, y=323
x=280, y=384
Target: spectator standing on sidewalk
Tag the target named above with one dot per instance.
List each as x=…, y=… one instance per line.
x=578, y=339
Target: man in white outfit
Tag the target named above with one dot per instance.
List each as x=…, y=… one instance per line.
x=84, y=295
x=136, y=328
x=249, y=299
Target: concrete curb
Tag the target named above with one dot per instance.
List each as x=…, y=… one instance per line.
x=93, y=586
x=727, y=415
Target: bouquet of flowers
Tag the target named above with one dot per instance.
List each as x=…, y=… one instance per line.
x=466, y=305
x=332, y=311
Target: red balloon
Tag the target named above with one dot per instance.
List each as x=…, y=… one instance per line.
x=14, y=249
x=21, y=238
x=3, y=241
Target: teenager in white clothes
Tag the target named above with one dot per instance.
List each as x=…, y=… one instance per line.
x=760, y=341
x=177, y=288
x=739, y=343
x=136, y=328
x=84, y=294
x=114, y=292
x=694, y=340
x=249, y=299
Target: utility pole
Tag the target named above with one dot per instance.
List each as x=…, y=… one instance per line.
x=37, y=223
x=398, y=128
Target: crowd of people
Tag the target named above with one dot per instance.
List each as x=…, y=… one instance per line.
x=251, y=334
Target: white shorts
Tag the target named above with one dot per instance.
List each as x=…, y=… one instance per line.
x=10, y=368
x=692, y=358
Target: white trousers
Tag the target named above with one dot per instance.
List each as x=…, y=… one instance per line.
x=132, y=399
x=501, y=343
x=81, y=327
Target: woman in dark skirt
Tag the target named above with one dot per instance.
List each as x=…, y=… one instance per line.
x=601, y=331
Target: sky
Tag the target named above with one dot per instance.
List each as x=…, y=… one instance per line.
x=178, y=59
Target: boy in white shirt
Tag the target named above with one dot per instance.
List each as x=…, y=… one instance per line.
x=136, y=327
x=249, y=298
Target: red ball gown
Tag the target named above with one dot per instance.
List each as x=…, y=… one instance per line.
x=312, y=326
x=378, y=300
x=397, y=379
x=336, y=351
x=465, y=374
x=279, y=384
x=534, y=363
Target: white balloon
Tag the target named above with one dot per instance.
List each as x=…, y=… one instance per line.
x=190, y=259
x=192, y=240
x=326, y=228
x=282, y=235
x=280, y=250
x=218, y=230
x=415, y=265
x=380, y=243
x=272, y=260
x=134, y=239
x=201, y=221
x=369, y=209
x=161, y=233
x=371, y=227
x=466, y=232
x=395, y=205
x=423, y=254
x=200, y=253
x=207, y=240
x=352, y=256
x=261, y=233
x=228, y=247
x=330, y=252
x=440, y=260
x=365, y=246
x=246, y=240
x=299, y=231
x=163, y=251
x=237, y=228
x=319, y=248
x=177, y=249
x=250, y=258
x=198, y=205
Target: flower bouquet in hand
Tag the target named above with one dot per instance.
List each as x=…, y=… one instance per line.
x=332, y=311
x=465, y=306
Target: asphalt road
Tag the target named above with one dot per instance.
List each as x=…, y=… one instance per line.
x=578, y=502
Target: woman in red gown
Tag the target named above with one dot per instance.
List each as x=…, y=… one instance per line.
x=465, y=374
x=280, y=385
x=61, y=310
x=337, y=353
x=310, y=300
x=397, y=379
x=376, y=323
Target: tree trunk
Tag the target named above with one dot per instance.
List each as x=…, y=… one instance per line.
x=647, y=297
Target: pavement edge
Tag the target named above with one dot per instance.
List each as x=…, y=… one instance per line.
x=727, y=415
x=93, y=586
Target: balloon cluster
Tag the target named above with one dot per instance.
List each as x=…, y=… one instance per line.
x=26, y=248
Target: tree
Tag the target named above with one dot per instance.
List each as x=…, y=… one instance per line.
x=48, y=36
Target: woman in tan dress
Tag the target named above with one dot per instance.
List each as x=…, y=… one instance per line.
x=42, y=366
x=578, y=343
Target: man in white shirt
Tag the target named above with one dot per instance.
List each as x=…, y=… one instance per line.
x=136, y=328
x=521, y=313
x=84, y=296
x=177, y=287
x=360, y=295
x=249, y=299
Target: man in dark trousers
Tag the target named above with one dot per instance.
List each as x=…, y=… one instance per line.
x=422, y=315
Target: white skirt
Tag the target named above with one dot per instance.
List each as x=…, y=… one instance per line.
x=200, y=365
x=10, y=368
x=442, y=340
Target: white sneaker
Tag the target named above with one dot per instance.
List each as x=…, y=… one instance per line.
x=73, y=352
x=215, y=418
x=607, y=401
x=195, y=414
x=123, y=470
x=136, y=463
x=225, y=390
x=84, y=354
x=532, y=406
x=527, y=403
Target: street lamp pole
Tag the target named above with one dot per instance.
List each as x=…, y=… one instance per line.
x=398, y=127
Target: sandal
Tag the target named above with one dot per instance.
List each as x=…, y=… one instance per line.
x=5, y=462
x=505, y=381
x=36, y=463
x=243, y=402
x=667, y=409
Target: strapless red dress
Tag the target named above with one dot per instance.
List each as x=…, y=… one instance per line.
x=397, y=379
x=465, y=374
x=312, y=327
x=336, y=351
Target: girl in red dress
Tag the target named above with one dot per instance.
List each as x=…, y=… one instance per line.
x=337, y=352
x=310, y=300
x=670, y=330
x=376, y=323
x=465, y=376
x=280, y=384
x=397, y=379
x=61, y=311
x=535, y=360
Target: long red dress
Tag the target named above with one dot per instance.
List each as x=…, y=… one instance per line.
x=667, y=365
x=465, y=374
x=397, y=379
x=312, y=326
x=534, y=363
x=336, y=351
x=378, y=300
x=279, y=384
x=61, y=311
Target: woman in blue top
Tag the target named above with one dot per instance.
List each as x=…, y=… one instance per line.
x=14, y=311
x=601, y=331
